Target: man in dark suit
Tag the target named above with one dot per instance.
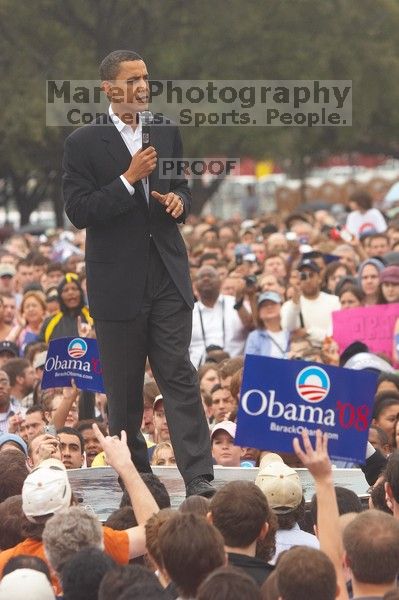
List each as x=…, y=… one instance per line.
x=139, y=288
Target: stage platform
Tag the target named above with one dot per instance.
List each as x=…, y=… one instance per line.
x=99, y=487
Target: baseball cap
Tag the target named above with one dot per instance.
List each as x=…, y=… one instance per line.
x=16, y=439
x=157, y=400
x=40, y=359
x=7, y=270
x=271, y=296
x=26, y=583
x=226, y=426
x=281, y=486
x=46, y=489
x=7, y=346
x=307, y=263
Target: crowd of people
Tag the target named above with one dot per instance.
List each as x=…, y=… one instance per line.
x=266, y=286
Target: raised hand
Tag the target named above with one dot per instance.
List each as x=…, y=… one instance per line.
x=117, y=453
x=316, y=459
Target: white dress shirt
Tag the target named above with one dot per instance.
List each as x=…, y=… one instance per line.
x=133, y=141
x=286, y=538
x=222, y=327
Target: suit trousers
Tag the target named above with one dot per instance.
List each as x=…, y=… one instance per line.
x=161, y=331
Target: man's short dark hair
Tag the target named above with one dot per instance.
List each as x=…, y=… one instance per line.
x=239, y=511
x=82, y=574
x=304, y=573
x=35, y=408
x=121, y=519
x=228, y=583
x=11, y=517
x=76, y=433
x=150, y=590
x=391, y=474
x=25, y=561
x=371, y=543
x=347, y=500
x=157, y=489
x=110, y=65
x=120, y=578
x=15, y=368
x=191, y=548
x=13, y=471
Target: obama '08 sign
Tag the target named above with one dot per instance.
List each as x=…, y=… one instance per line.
x=280, y=398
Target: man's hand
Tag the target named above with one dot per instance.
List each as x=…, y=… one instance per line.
x=84, y=329
x=296, y=294
x=315, y=460
x=48, y=447
x=70, y=394
x=117, y=453
x=14, y=422
x=142, y=165
x=173, y=203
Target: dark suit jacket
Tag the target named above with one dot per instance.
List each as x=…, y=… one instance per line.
x=119, y=225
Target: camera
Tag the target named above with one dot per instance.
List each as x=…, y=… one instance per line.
x=250, y=280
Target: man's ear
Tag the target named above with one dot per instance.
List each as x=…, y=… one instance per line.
x=209, y=517
x=345, y=561
x=316, y=531
x=389, y=497
x=263, y=531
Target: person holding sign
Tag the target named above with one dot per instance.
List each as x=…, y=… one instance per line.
x=138, y=280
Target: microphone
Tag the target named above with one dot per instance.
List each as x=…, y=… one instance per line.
x=146, y=118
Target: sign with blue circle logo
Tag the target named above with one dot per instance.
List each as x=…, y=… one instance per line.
x=73, y=358
x=77, y=348
x=312, y=384
x=281, y=398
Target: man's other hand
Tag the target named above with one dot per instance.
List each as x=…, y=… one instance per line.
x=173, y=203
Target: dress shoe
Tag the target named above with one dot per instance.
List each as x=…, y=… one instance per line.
x=200, y=486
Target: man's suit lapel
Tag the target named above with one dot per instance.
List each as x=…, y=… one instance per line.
x=117, y=148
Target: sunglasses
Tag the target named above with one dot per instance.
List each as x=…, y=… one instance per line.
x=305, y=275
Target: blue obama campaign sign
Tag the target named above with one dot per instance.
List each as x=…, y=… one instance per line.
x=73, y=358
x=279, y=398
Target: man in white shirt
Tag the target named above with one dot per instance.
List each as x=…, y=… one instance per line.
x=217, y=319
x=310, y=309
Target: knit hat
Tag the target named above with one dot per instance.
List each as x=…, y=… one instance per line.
x=390, y=275
x=378, y=264
x=15, y=439
x=23, y=584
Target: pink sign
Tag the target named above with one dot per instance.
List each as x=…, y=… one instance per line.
x=373, y=325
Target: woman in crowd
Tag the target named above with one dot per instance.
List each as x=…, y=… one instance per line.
x=269, y=339
x=333, y=273
x=351, y=296
x=369, y=279
x=31, y=317
x=389, y=285
x=72, y=306
x=363, y=217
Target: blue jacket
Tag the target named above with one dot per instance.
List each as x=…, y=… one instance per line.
x=259, y=342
